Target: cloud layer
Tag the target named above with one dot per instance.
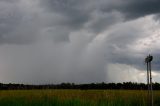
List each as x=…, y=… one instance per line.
x=54, y=41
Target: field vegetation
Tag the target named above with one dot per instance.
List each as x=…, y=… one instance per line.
x=76, y=98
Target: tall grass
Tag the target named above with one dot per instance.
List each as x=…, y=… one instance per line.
x=76, y=98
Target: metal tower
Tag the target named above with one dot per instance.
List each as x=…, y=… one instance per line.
x=148, y=60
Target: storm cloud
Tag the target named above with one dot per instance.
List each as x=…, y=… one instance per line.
x=54, y=41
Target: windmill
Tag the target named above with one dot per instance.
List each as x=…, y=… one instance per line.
x=148, y=60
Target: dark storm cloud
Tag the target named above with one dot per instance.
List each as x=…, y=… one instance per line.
x=139, y=8
x=81, y=10
x=14, y=27
x=54, y=41
x=74, y=15
x=132, y=9
x=96, y=15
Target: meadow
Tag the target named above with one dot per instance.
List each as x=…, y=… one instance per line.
x=76, y=98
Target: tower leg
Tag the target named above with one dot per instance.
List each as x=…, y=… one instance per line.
x=151, y=89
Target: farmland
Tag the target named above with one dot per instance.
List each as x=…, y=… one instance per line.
x=76, y=98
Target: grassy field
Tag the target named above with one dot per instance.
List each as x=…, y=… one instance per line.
x=76, y=98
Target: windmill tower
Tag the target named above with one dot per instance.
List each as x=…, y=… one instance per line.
x=148, y=60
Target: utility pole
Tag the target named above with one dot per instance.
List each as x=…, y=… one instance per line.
x=148, y=60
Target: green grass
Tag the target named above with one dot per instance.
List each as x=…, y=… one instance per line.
x=76, y=98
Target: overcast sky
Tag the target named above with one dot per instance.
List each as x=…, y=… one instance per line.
x=79, y=41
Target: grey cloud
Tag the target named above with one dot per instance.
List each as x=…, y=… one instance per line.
x=58, y=34
x=96, y=15
x=133, y=8
x=157, y=17
x=141, y=8
x=68, y=16
x=9, y=1
x=14, y=29
x=120, y=42
x=83, y=9
x=73, y=12
x=71, y=41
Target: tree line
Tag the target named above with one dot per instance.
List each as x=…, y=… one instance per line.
x=124, y=85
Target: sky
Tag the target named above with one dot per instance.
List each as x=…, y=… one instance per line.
x=78, y=41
